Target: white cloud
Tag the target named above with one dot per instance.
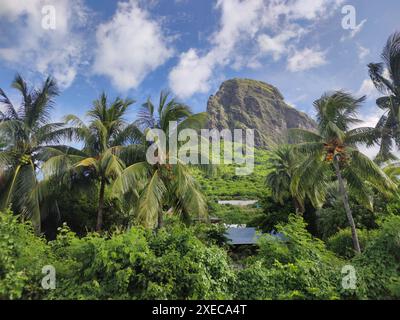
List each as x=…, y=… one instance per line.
x=306, y=59
x=190, y=66
x=193, y=72
x=268, y=24
x=130, y=46
x=56, y=52
x=368, y=89
x=276, y=46
x=363, y=52
x=370, y=120
x=310, y=9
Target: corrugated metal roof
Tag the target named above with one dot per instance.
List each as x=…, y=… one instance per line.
x=237, y=236
x=241, y=236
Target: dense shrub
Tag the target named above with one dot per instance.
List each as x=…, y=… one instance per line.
x=211, y=234
x=342, y=243
x=379, y=265
x=78, y=209
x=22, y=257
x=332, y=218
x=139, y=264
x=299, y=267
x=182, y=262
x=274, y=213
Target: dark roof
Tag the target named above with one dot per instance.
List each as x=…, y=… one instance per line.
x=238, y=236
x=241, y=236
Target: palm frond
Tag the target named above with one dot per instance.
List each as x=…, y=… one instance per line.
x=382, y=84
x=150, y=201
x=133, y=177
x=368, y=170
x=301, y=135
x=10, y=112
x=188, y=200
x=391, y=57
x=364, y=135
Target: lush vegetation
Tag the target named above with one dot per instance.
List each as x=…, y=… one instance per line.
x=115, y=226
x=186, y=263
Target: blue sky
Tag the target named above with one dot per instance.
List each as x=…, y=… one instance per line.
x=137, y=48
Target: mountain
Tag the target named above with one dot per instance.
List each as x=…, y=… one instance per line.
x=251, y=104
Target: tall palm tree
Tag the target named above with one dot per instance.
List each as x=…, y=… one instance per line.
x=336, y=144
x=288, y=179
x=27, y=137
x=162, y=186
x=110, y=143
x=386, y=78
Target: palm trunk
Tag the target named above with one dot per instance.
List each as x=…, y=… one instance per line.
x=298, y=207
x=160, y=222
x=345, y=199
x=100, y=211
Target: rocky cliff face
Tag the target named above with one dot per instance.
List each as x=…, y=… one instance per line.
x=251, y=104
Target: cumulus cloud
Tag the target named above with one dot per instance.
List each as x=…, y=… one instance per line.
x=47, y=51
x=190, y=66
x=193, y=72
x=306, y=59
x=276, y=46
x=268, y=24
x=130, y=46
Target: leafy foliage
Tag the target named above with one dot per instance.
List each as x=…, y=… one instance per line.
x=379, y=265
x=341, y=242
x=299, y=267
x=22, y=256
x=138, y=264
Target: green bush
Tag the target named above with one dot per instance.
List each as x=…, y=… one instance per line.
x=299, y=267
x=139, y=264
x=342, y=243
x=182, y=262
x=22, y=257
x=332, y=218
x=378, y=266
x=211, y=234
x=272, y=214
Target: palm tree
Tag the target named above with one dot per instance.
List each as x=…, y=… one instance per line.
x=335, y=143
x=289, y=179
x=164, y=186
x=386, y=78
x=110, y=143
x=27, y=134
